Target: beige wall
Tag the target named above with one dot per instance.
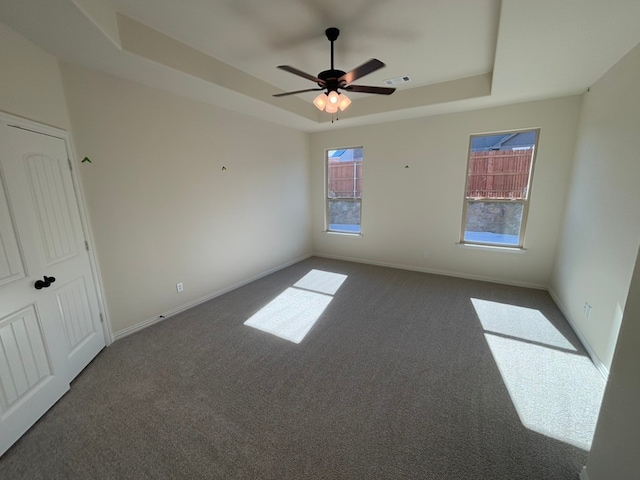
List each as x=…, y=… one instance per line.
x=408, y=211
x=596, y=258
x=30, y=83
x=601, y=231
x=162, y=209
x=614, y=452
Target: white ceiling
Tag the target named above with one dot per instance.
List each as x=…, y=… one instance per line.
x=460, y=54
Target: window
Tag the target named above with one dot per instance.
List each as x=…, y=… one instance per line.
x=344, y=190
x=498, y=188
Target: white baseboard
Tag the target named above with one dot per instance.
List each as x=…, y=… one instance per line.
x=583, y=474
x=147, y=323
x=447, y=273
x=604, y=371
x=159, y=318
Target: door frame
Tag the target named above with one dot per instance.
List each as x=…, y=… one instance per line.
x=25, y=124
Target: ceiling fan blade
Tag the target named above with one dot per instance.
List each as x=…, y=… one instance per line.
x=369, y=89
x=297, y=91
x=364, y=69
x=300, y=73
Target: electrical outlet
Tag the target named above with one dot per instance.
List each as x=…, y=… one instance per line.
x=179, y=287
x=425, y=254
x=586, y=309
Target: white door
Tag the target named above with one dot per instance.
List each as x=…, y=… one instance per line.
x=49, y=329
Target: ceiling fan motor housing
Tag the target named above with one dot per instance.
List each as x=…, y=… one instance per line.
x=330, y=77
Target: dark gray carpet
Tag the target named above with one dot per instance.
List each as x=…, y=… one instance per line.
x=395, y=381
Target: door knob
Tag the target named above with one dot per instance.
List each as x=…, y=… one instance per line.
x=40, y=284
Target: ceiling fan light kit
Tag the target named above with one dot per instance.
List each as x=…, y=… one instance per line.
x=330, y=103
x=333, y=80
x=321, y=101
x=343, y=102
x=331, y=108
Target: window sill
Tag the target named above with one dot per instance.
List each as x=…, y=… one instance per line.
x=342, y=234
x=491, y=248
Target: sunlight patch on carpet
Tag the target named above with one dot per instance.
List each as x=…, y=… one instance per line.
x=520, y=322
x=556, y=391
x=321, y=282
x=292, y=314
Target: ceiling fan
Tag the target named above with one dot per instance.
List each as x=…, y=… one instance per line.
x=333, y=80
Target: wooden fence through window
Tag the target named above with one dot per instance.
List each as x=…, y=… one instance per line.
x=500, y=174
x=345, y=179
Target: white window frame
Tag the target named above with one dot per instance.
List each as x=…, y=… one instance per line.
x=327, y=226
x=525, y=202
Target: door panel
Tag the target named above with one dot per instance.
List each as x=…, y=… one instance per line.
x=23, y=359
x=76, y=313
x=54, y=220
x=47, y=335
x=11, y=264
x=31, y=378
